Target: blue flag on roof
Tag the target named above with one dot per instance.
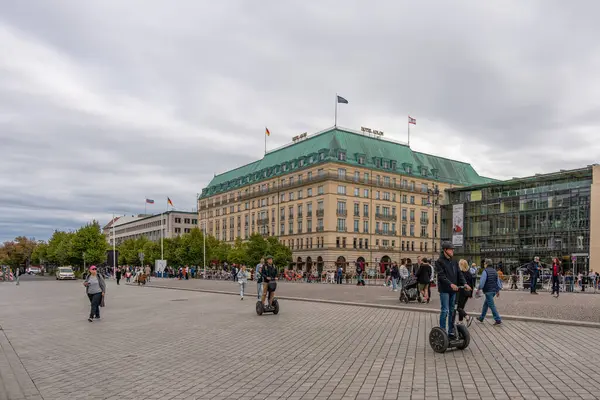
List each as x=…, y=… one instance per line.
x=342, y=100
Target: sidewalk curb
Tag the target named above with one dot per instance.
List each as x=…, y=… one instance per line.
x=565, y=322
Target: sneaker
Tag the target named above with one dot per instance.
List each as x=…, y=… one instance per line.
x=395, y=290
x=452, y=336
x=98, y=318
x=498, y=323
x=242, y=298
x=480, y=319
x=469, y=320
x=90, y=320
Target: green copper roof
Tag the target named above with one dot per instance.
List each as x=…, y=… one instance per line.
x=378, y=154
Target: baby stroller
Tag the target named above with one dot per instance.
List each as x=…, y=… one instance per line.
x=410, y=290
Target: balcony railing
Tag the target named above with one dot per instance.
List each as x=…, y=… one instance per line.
x=341, y=213
x=314, y=179
x=424, y=221
x=262, y=221
x=320, y=213
x=424, y=235
x=291, y=216
x=386, y=233
x=308, y=214
x=356, y=214
x=320, y=229
x=299, y=215
x=386, y=217
x=282, y=217
x=342, y=229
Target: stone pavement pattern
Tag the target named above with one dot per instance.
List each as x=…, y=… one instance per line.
x=569, y=306
x=172, y=344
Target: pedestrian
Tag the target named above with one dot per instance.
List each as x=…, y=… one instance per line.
x=403, y=272
x=556, y=272
x=258, y=278
x=359, y=274
x=95, y=289
x=148, y=273
x=395, y=276
x=449, y=279
x=534, y=268
x=242, y=278
x=388, y=275
x=18, y=274
x=118, y=275
x=514, y=279
x=592, y=277
x=423, y=279
x=339, y=275
x=464, y=295
x=409, y=266
x=491, y=285
x=430, y=281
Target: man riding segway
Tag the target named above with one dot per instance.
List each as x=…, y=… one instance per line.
x=269, y=277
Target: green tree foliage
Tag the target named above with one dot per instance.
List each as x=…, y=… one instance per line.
x=89, y=242
x=15, y=253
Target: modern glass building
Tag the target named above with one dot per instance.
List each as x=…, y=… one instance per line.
x=549, y=215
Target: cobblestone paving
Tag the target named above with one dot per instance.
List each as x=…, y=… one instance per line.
x=569, y=306
x=171, y=344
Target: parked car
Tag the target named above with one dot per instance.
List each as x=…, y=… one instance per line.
x=64, y=273
x=34, y=270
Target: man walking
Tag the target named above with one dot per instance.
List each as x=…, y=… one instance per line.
x=534, y=268
x=491, y=285
x=147, y=272
x=449, y=279
x=359, y=274
x=118, y=275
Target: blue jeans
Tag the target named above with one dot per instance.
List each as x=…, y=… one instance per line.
x=489, y=302
x=447, y=300
x=259, y=290
x=394, y=282
x=533, y=285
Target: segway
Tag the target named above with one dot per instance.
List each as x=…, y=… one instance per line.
x=266, y=308
x=440, y=341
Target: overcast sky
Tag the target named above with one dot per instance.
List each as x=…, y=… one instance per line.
x=106, y=103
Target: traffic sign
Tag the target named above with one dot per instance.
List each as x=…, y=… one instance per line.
x=573, y=259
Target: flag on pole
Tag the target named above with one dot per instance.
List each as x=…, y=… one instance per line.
x=169, y=202
x=149, y=201
x=267, y=131
x=412, y=120
x=342, y=100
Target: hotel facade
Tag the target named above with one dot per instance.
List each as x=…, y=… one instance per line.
x=335, y=198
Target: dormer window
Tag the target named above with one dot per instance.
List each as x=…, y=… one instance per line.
x=394, y=165
x=386, y=164
x=284, y=167
x=378, y=163
x=321, y=156
x=301, y=162
x=342, y=155
x=361, y=160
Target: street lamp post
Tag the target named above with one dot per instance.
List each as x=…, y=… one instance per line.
x=433, y=196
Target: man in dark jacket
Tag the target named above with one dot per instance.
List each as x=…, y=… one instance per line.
x=449, y=279
x=534, y=269
x=491, y=285
x=359, y=274
x=268, y=274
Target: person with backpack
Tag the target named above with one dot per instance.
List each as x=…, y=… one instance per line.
x=359, y=274
x=490, y=284
x=423, y=278
x=395, y=275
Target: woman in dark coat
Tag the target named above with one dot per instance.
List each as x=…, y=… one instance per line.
x=464, y=295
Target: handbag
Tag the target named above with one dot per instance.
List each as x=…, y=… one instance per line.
x=102, y=302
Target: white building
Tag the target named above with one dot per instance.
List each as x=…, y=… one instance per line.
x=174, y=224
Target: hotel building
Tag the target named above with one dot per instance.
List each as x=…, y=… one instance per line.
x=337, y=197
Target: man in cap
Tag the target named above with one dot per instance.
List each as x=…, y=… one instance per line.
x=449, y=279
x=269, y=274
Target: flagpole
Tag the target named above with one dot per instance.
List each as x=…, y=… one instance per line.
x=409, y=132
x=265, y=141
x=336, y=106
x=162, y=255
x=145, y=206
x=114, y=248
x=204, y=248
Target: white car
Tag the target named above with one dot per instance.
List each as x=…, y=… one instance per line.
x=34, y=270
x=64, y=273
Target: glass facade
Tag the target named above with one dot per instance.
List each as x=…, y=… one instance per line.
x=514, y=221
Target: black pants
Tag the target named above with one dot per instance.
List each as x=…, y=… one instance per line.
x=118, y=279
x=462, y=302
x=95, y=300
x=555, y=287
x=429, y=292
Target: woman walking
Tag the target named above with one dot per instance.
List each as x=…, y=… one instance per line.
x=95, y=289
x=423, y=279
x=242, y=278
x=464, y=295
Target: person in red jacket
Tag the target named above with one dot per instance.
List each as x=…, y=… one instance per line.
x=556, y=273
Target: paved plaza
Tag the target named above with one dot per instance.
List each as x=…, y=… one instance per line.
x=569, y=306
x=172, y=344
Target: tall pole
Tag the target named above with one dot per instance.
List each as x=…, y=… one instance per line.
x=145, y=206
x=204, y=248
x=408, y=133
x=265, y=143
x=114, y=248
x=162, y=257
x=336, y=106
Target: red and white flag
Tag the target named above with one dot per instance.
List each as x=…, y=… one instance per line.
x=412, y=120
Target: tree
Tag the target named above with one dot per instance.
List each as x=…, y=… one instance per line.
x=60, y=248
x=40, y=253
x=90, y=241
x=190, y=251
x=238, y=254
x=257, y=248
x=17, y=252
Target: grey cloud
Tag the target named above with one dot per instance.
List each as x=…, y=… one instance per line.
x=105, y=103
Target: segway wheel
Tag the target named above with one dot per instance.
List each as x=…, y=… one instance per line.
x=259, y=308
x=275, y=307
x=463, y=334
x=438, y=340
